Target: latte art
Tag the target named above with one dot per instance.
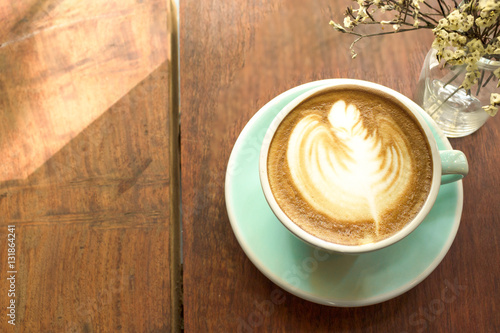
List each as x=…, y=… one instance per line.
x=350, y=166
x=346, y=171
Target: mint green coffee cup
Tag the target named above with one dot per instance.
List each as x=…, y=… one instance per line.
x=447, y=166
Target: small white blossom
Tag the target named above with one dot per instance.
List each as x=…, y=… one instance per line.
x=472, y=67
x=489, y=5
x=497, y=73
x=347, y=22
x=475, y=44
x=491, y=110
x=337, y=26
x=448, y=54
x=495, y=99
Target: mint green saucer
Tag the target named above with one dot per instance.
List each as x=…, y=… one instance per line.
x=315, y=275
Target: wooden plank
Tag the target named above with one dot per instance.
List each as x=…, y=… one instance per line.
x=237, y=56
x=92, y=224
x=92, y=215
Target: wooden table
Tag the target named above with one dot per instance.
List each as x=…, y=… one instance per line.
x=93, y=154
x=235, y=57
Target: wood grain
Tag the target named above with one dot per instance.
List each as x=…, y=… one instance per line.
x=236, y=57
x=85, y=117
x=63, y=63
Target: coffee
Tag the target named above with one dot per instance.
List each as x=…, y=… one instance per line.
x=350, y=165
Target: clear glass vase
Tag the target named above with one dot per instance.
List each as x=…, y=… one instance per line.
x=456, y=111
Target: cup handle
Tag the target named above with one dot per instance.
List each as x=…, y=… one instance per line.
x=454, y=166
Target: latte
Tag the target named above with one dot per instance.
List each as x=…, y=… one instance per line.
x=350, y=166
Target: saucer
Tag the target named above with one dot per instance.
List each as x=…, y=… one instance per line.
x=323, y=277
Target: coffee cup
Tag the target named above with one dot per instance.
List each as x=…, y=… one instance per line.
x=353, y=167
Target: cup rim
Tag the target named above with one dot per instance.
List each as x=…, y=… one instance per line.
x=342, y=248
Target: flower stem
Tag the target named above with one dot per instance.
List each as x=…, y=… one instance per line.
x=487, y=80
x=443, y=102
x=454, y=76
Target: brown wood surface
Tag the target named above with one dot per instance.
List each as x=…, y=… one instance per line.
x=85, y=165
x=235, y=57
x=63, y=63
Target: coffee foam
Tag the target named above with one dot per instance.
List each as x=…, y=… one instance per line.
x=349, y=170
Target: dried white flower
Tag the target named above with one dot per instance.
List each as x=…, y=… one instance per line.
x=466, y=32
x=347, y=22
x=337, y=26
x=491, y=109
x=495, y=99
x=497, y=73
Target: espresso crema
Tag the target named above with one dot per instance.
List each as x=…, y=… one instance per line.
x=350, y=166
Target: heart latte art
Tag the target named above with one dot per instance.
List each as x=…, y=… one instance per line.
x=350, y=167
x=345, y=172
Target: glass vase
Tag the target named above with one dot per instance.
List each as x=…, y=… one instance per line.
x=456, y=111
